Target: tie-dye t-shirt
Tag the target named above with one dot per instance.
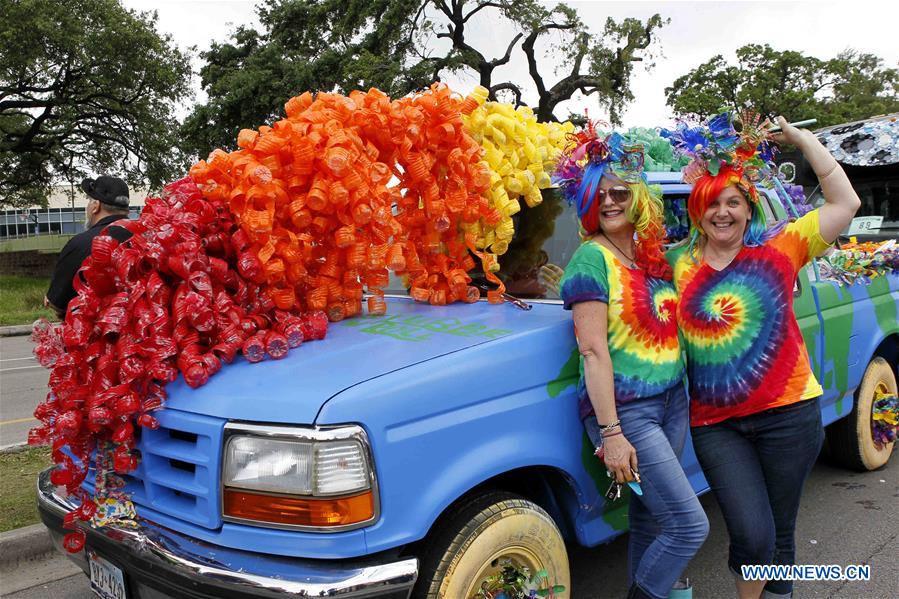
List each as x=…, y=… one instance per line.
x=745, y=353
x=642, y=328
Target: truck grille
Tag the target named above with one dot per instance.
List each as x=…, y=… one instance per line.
x=178, y=474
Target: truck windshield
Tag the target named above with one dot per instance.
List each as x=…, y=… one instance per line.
x=548, y=234
x=545, y=234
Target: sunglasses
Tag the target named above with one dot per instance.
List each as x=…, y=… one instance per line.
x=619, y=195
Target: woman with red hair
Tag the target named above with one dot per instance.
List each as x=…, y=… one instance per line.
x=631, y=391
x=756, y=423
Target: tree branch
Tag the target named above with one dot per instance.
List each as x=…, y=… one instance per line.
x=582, y=51
x=528, y=48
x=501, y=61
x=9, y=104
x=511, y=87
x=481, y=6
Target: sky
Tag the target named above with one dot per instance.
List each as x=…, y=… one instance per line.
x=697, y=31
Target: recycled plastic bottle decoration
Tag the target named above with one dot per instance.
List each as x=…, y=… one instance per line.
x=169, y=299
x=520, y=153
x=259, y=248
x=885, y=417
x=345, y=189
x=860, y=262
x=311, y=196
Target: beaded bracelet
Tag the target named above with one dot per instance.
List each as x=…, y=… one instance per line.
x=604, y=427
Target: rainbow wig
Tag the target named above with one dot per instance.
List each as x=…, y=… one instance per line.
x=720, y=155
x=707, y=187
x=578, y=175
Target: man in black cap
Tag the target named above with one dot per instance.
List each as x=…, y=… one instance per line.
x=107, y=203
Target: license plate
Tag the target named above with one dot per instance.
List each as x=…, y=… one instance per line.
x=107, y=580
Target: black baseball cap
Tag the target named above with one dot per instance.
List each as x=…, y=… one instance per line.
x=108, y=190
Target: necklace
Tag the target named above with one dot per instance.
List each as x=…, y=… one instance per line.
x=632, y=265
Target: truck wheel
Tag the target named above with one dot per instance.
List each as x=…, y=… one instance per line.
x=479, y=536
x=850, y=439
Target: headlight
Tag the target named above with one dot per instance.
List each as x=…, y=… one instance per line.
x=273, y=465
x=298, y=477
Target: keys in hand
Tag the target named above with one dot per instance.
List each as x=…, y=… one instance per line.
x=614, y=492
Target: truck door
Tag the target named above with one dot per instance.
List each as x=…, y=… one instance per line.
x=805, y=300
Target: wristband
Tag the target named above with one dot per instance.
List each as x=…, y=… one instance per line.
x=611, y=434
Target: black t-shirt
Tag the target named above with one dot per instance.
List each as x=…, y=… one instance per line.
x=73, y=254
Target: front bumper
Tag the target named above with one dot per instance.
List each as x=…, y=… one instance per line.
x=159, y=562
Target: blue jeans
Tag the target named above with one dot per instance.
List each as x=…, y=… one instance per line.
x=667, y=524
x=756, y=466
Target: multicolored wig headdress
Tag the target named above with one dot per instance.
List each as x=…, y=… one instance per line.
x=589, y=157
x=587, y=151
x=727, y=150
x=748, y=151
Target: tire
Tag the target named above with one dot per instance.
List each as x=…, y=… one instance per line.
x=850, y=439
x=470, y=541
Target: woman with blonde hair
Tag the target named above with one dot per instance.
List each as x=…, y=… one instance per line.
x=631, y=391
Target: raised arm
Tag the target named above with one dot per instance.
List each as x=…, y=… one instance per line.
x=840, y=200
x=591, y=323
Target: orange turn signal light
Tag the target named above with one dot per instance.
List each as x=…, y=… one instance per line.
x=299, y=511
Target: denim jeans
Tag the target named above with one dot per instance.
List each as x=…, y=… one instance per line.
x=667, y=524
x=756, y=466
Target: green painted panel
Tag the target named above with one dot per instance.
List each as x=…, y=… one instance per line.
x=614, y=512
x=837, y=310
x=885, y=307
x=568, y=375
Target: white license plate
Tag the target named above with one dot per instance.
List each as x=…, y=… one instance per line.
x=107, y=581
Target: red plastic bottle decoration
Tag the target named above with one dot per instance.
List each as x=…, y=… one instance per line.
x=123, y=460
x=98, y=418
x=292, y=329
x=123, y=433
x=148, y=421
x=73, y=542
x=318, y=324
x=61, y=476
x=254, y=349
x=69, y=424
x=276, y=345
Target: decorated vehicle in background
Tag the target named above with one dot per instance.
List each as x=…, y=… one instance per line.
x=420, y=450
x=868, y=151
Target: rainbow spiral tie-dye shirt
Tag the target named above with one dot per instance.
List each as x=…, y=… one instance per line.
x=745, y=352
x=642, y=327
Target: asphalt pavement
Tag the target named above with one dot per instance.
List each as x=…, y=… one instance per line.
x=23, y=384
x=846, y=518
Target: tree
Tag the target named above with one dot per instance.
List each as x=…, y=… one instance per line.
x=85, y=87
x=849, y=87
x=400, y=46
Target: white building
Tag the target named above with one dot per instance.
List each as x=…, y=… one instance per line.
x=64, y=214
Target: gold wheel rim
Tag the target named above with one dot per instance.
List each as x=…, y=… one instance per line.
x=517, y=554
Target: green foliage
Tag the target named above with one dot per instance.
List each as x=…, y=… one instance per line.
x=401, y=46
x=22, y=300
x=85, y=87
x=849, y=87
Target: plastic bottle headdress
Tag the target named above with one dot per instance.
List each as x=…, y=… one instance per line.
x=742, y=141
x=590, y=146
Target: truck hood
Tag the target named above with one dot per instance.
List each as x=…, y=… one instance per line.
x=292, y=390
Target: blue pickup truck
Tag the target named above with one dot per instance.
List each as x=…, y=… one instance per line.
x=414, y=454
